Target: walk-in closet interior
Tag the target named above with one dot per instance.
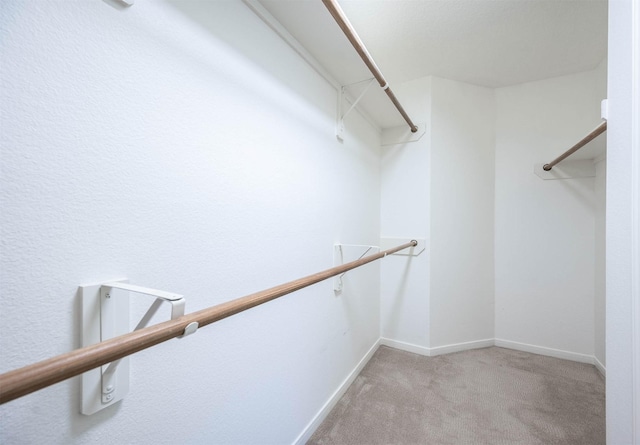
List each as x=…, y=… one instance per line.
x=453, y=181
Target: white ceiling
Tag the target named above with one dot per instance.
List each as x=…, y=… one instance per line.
x=491, y=43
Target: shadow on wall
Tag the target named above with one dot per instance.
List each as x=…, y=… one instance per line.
x=581, y=190
x=394, y=315
x=116, y=5
x=290, y=72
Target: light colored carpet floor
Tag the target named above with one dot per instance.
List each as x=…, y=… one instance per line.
x=483, y=396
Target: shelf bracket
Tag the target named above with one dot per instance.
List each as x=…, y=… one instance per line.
x=177, y=301
x=342, y=95
x=338, y=259
x=105, y=309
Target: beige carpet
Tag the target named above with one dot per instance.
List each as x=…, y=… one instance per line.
x=483, y=396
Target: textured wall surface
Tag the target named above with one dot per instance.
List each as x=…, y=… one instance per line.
x=461, y=218
x=545, y=230
x=441, y=185
x=185, y=147
x=404, y=210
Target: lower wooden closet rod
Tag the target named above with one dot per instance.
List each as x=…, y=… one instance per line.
x=28, y=379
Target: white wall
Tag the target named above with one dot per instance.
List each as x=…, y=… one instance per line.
x=404, y=210
x=182, y=144
x=186, y=147
x=441, y=186
x=545, y=239
x=548, y=254
x=623, y=225
x=461, y=213
x=599, y=309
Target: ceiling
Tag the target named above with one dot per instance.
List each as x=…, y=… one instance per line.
x=491, y=43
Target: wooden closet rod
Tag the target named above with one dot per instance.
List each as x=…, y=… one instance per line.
x=350, y=32
x=23, y=381
x=584, y=141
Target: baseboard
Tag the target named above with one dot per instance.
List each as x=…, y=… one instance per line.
x=438, y=350
x=550, y=352
x=457, y=347
x=600, y=367
x=335, y=397
x=404, y=346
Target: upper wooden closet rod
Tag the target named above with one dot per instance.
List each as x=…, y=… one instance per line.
x=350, y=32
x=584, y=141
x=23, y=381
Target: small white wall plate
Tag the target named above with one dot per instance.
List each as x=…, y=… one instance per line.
x=402, y=135
x=388, y=243
x=567, y=170
x=105, y=314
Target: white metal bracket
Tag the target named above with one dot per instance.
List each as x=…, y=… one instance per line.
x=105, y=314
x=177, y=301
x=341, y=98
x=338, y=259
x=385, y=243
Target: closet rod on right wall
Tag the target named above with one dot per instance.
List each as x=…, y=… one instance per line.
x=344, y=24
x=584, y=141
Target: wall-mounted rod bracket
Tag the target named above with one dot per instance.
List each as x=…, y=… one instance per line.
x=338, y=259
x=342, y=252
x=105, y=309
x=177, y=301
x=342, y=94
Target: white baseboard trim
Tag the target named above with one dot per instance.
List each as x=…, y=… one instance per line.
x=477, y=344
x=404, y=346
x=438, y=350
x=550, y=352
x=457, y=347
x=600, y=367
x=308, y=431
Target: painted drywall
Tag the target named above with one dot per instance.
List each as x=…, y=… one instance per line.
x=544, y=298
x=441, y=185
x=461, y=213
x=548, y=247
x=623, y=225
x=184, y=146
x=599, y=308
x=545, y=230
x=404, y=210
